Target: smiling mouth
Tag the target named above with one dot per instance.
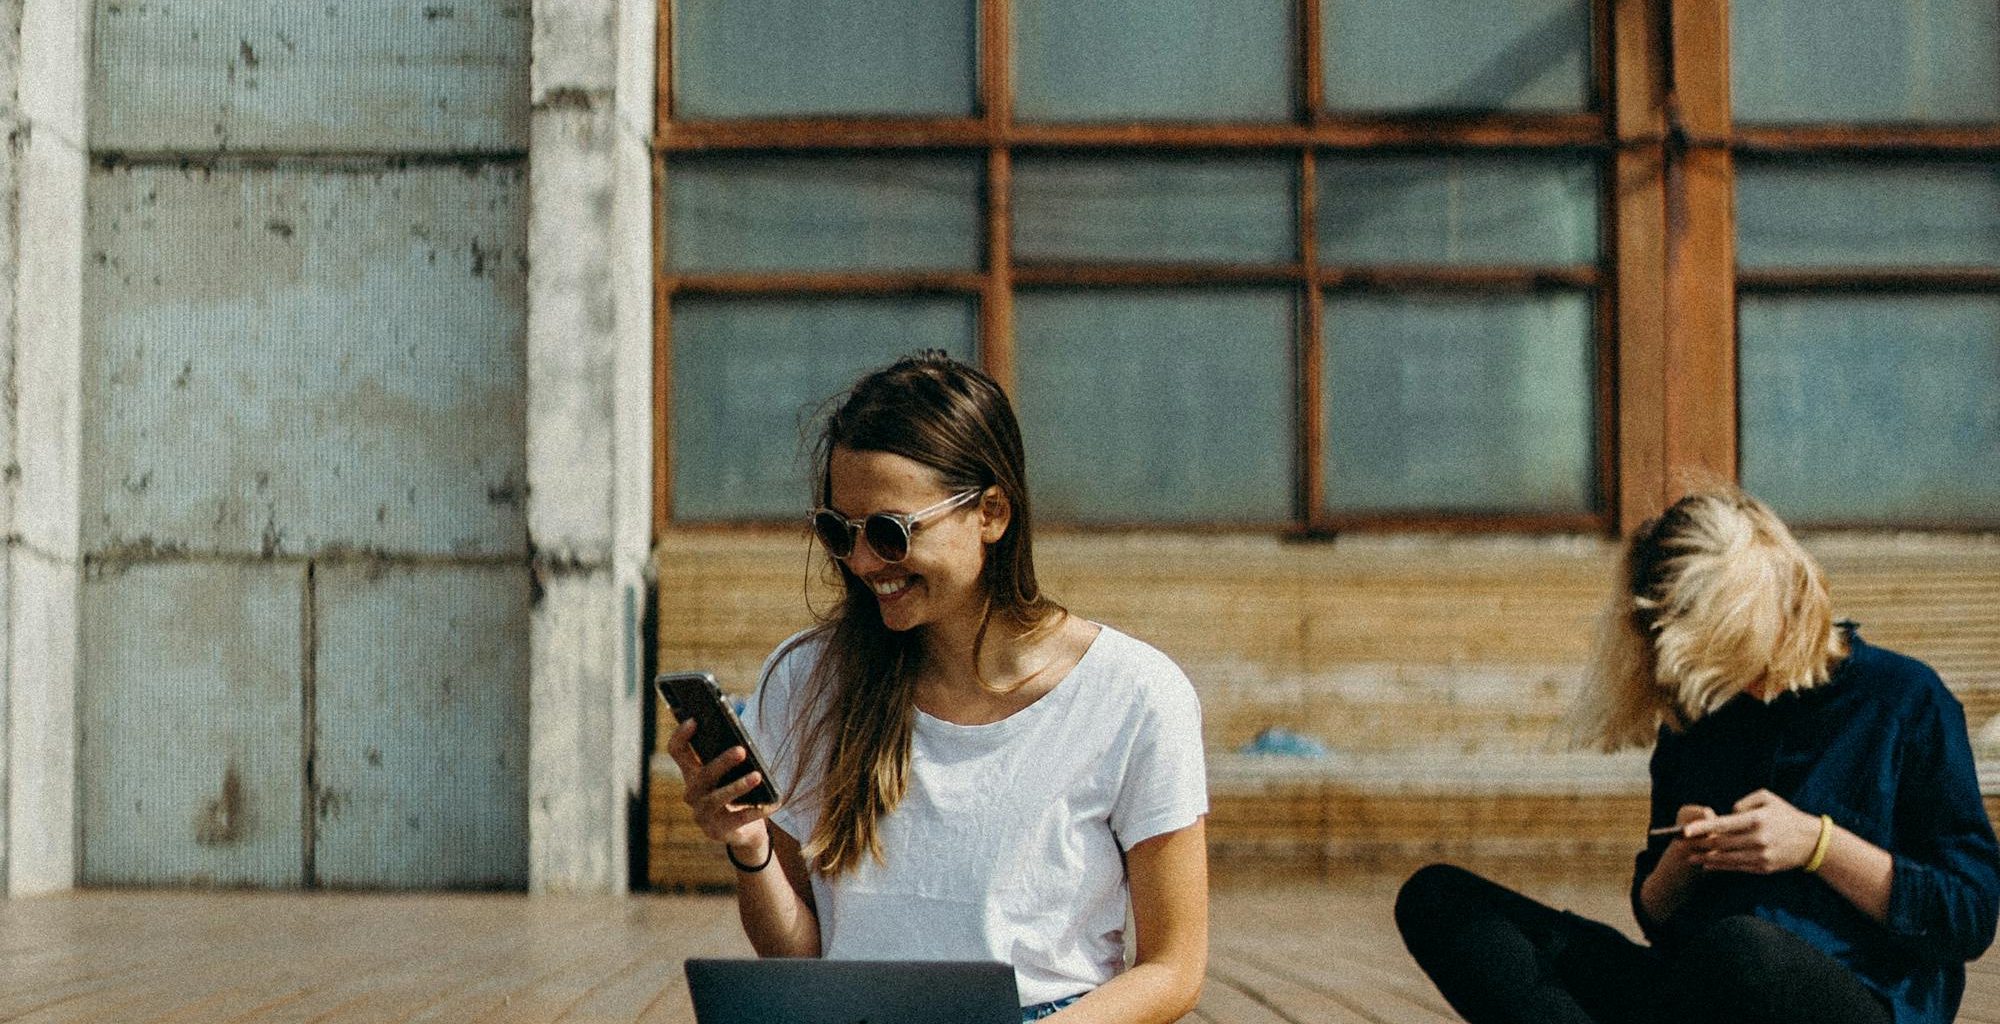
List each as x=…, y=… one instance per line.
x=890, y=588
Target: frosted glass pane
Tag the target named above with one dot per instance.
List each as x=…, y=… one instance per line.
x=1856, y=214
x=1876, y=408
x=1157, y=406
x=1155, y=209
x=778, y=58
x=1166, y=60
x=1462, y=404
x=750, y=374
x=748, y=213
x=1458, y=210
x=1865, y=60
x=1395, y=55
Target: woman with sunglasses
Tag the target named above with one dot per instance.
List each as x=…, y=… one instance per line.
x=971, y=772
x=1818, y=851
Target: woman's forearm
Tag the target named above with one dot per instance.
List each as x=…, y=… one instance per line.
x=1149, y=993
x=773, y=903
x=1666, y=889
x=1861, y=872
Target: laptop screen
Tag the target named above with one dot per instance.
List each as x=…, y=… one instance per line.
x=810, y=991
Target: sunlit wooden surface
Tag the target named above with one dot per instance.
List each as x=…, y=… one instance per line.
x=1282, y=952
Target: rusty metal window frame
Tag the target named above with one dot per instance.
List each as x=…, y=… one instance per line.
x=1600, y=130
x=1698, y=400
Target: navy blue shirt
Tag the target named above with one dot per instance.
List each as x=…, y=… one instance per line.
x=1881, y=747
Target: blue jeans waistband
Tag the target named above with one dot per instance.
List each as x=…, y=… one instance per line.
x=1040, y=1010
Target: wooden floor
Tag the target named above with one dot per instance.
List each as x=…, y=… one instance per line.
x=1293, y=953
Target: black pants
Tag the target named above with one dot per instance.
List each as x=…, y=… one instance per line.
x=1499, y=957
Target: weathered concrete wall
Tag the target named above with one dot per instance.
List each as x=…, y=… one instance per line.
x=394, y=787
x=589, y=434
x=361, y=76
x=192, y=740
x=342, y=373
x=286, y=415
x=302, y=498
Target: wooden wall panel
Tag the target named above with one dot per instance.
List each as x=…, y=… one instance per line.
x=1436, y=670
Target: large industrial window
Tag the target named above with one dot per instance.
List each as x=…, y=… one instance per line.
x=1313, y=265
x=1868, y=248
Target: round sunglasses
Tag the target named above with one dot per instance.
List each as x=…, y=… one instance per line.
x=888, y=533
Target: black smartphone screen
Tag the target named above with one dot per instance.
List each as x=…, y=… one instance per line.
x=716, y=729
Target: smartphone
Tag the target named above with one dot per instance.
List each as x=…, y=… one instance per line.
x=695, y=695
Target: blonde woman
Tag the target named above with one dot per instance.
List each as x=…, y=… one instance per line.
x=1818, y=851
x=972, y=772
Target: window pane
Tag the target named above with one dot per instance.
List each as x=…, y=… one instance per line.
x=1865, y=60
x=1394, y=55
x=751, y=213
x=1457, y=403
x=1157, y=406
x=1881, y=408
x=750, y=373
x=1863, y=214
x=1178, y=60
x=777, y=58
x=1155, y=209
x=1458, y=210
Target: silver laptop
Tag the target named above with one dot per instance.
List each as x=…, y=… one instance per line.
x=798, y=991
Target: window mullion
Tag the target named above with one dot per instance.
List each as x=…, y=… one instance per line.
x=1639, y=253
x=663, y=481
x=996, y=309
x=1700, y=343
x=663, y=68
x=1311, y=394
x=1312, y=76
x=996, y=93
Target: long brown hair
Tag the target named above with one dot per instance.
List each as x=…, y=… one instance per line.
x=859, y=705
x=1714, y=597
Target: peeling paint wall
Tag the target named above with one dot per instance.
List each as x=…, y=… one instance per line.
x=341, y=371
x=325, y=340
x=191, y=754
x=303, y=491
x=361, y=76
x=395, y=771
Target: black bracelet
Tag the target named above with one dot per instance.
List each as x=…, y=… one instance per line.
x=770, y=849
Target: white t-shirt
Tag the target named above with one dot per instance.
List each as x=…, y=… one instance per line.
x=1007, y=845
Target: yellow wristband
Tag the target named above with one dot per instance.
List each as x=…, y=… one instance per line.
x=1825, y=840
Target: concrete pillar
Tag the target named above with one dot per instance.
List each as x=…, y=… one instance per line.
x=12, y=131
x=44, y=563
x=589, y=432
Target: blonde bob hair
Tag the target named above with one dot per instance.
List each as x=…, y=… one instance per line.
x=1715, y=597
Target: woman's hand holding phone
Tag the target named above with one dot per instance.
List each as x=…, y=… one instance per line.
x=1763, y=834
x=1683, y=855
x=1666, y=888
x=713, y=803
